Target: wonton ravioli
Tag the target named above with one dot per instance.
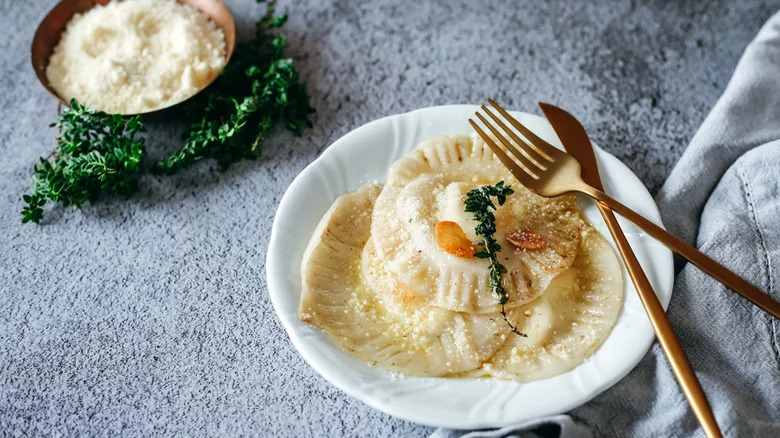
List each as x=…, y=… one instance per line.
x=390, y=273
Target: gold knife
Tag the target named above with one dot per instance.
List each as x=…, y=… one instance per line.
x=577, y=144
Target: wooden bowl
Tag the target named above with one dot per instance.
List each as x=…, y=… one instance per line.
x=48, y=35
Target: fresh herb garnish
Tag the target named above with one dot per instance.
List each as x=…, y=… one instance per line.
x=100, y=153
x=95, y=153
x=257, y=89
x=479, y=202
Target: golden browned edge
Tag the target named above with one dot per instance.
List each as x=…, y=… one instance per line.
x=48, y=35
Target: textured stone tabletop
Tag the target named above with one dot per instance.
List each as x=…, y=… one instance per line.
x=151, y=315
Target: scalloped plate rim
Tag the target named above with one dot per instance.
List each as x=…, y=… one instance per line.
x=315, y=347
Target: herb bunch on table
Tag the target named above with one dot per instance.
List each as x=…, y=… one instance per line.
x=99, y=153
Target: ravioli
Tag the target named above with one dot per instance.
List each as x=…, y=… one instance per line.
x=428, y=186
x=377, y=280
x=568, y=322
x=405, y=337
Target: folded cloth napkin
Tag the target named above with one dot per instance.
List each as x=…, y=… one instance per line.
x=724, y=197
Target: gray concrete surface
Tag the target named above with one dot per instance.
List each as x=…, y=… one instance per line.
x=151, y=315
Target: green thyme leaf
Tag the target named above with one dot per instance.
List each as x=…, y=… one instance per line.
x=95, y=153
x=258, y=89
x=479, y=202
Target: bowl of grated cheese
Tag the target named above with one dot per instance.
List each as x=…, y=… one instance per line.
x=132, y=56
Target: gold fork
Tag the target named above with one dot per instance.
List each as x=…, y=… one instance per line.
x=548, y=171
x=575, y=142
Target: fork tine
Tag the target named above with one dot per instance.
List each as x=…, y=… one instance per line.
x=527, y=164
x=542, y=147
x=521, y=174
x=526, y=149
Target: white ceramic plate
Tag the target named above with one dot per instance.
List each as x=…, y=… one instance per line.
x=365, y=154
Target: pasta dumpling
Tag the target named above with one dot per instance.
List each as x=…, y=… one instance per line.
x=390, y=273
x=429, y=186
x=405, y=337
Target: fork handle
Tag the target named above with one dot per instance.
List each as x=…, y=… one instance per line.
x=679, y=362
x=693, y=255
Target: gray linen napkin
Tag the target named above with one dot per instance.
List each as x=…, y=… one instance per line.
x=724, y=197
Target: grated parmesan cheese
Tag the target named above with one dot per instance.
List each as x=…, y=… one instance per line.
x=136, y=56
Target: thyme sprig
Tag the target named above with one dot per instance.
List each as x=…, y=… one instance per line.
x=95, y=153
x=479, y=201
x=257, y=89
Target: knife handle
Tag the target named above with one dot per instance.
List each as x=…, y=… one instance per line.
x=693, y=255
x=666, y=338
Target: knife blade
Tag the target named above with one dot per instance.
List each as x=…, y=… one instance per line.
x=576, y=142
